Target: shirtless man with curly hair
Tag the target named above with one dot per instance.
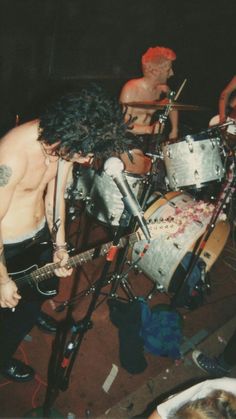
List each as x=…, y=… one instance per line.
x=75, y=128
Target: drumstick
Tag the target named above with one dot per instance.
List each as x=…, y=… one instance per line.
x=180, y=90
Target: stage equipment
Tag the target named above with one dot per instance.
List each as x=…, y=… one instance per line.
x=81, y=183
x=70, y=332
x=105, y=203
x=114, y=167
x=229, y=129
x=180, y=221
x=194, y=161
x=221, y=210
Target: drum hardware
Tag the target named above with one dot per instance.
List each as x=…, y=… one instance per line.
x=217, y=170
x=189, y=141
x=198, y=222
x=214, y=130
x=205, y=282
x=71, y=333
x=224, y=124
x=79, y=188
x=64, y=355
x=156, y=156
x=177, y=245
x=161, y=272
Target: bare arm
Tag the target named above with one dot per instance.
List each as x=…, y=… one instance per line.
x=224, y=96
x=60, y=253
x=11, y=172
x=174, y=119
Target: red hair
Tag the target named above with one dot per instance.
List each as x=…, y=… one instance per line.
x=158, y=55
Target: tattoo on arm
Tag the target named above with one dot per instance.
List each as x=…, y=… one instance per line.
x=5, y=174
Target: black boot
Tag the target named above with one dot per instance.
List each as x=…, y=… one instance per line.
x=16, y=370
x=46, y=323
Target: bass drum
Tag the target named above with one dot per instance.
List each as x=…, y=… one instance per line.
x=176, y=222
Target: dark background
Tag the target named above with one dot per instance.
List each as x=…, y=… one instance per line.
x=48, y=47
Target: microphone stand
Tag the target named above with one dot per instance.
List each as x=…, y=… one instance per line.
x=65, y=350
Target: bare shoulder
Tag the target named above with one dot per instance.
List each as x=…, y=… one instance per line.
x=130, y=89
x=24, y=130
x=13, y=147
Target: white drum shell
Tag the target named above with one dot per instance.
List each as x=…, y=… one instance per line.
x=106, y=203
x=191, y=163
x=172, y=242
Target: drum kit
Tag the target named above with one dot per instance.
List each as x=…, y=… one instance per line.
x=185, y=224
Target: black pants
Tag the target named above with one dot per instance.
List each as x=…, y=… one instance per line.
x=15, y=325
x=229, y=353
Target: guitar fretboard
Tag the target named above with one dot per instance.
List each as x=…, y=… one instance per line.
x=47, y=271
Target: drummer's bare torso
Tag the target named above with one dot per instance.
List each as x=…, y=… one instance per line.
x=22, y=154
x=141, y=90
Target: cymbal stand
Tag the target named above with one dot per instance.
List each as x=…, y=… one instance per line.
x=162, y=118
x=172, y=96
x=224, y=197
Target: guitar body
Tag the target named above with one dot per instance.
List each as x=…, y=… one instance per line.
x=29, y=288
x=23, y=264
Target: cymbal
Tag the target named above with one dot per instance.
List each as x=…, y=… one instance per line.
x=160, y=105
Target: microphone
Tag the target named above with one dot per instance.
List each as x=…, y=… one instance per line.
x=114, y=167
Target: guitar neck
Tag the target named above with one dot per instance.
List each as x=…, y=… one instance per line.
x=47, y=271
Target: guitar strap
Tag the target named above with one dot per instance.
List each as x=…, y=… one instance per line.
x=56, y=199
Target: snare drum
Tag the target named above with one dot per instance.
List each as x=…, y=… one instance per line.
x=193, y=162
x=176, y=222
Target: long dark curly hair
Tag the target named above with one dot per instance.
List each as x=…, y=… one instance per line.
x=86, y=122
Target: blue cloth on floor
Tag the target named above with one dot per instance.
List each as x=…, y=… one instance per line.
x=161, y=330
